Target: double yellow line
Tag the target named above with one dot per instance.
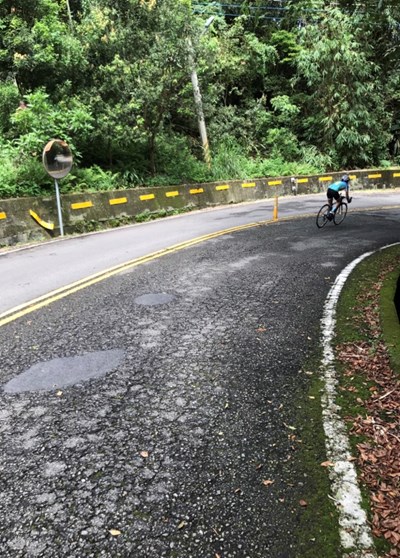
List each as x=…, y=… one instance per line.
x=53, y=296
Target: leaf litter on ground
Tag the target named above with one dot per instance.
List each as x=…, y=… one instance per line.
x=378, y=427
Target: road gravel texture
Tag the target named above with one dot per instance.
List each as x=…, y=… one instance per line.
x=165, y=455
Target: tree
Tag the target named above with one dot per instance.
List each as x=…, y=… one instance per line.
x=36, y=45
x=345, y=115
x=138, y=75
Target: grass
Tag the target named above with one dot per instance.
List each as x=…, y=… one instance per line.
x=318, y=530
x=389, y=319
x=350, y=327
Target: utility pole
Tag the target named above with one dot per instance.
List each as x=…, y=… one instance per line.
x=197, y=97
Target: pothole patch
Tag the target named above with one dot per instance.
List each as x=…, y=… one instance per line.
x=153, y=299
x=65, y=371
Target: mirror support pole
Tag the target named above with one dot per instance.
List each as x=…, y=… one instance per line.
x=60, y=220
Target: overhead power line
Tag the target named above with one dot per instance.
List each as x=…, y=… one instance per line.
x=245, y=7
x=238, y=15
x=200, y=6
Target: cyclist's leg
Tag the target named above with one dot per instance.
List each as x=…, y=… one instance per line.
x=335, y=195
x=330, y=195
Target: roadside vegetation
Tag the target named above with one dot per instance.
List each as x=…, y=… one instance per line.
x=288, y=87
x=318, y=529
x=368, y=353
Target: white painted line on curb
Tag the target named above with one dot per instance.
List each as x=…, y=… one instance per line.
x=355, y=533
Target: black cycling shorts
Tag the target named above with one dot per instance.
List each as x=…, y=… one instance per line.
x=333, y=194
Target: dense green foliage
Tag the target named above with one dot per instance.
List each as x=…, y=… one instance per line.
x=287, y=87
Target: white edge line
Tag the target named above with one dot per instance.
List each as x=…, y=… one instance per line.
x=355, y=533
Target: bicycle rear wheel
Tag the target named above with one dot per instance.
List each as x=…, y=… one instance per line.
x=340, y=214
x=322, y=218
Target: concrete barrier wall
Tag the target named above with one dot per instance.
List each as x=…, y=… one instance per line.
x=28, y=219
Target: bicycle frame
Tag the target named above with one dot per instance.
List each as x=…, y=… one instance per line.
x=336, y=203
x=336, y=213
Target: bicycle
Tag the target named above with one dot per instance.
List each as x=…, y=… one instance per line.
x=337, y=215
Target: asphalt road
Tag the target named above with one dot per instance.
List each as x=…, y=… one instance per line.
x=28, y=274
x=201, y=355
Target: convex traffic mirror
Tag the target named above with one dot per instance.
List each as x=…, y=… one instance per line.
x=57, y=158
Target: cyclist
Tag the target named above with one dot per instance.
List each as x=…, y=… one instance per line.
x=334, y=189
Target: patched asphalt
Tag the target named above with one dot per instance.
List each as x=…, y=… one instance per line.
x=169, y=449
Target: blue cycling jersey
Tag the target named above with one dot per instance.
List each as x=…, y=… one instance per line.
x=340, y=185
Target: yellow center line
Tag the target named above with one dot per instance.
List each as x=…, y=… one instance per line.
x=62, y=292
x=58, y=294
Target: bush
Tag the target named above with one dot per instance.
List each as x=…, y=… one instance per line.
x=42, y=121
x=283, y=143
x=24, y=175
x=317, y=161
x=20, y=176
x=230, y=161
x=9, y=97
x=279, y=167
x=8, y=180
x=93, y=179
x=176, y=164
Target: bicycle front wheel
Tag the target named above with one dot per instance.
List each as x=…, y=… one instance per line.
x=340, y=214
x=322, y=218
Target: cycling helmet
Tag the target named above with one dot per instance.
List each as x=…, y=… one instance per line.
x=345, y=178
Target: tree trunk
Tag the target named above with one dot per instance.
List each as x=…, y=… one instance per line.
x=152, y=153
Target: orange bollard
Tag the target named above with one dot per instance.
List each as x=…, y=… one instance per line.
x=275, y=216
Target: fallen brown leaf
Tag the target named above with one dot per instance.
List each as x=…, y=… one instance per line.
x=267, y=482
x=368, y=362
